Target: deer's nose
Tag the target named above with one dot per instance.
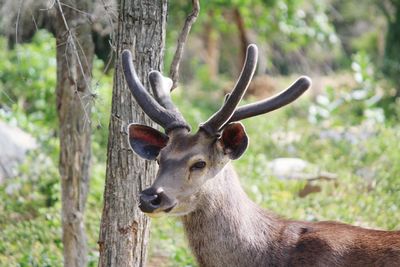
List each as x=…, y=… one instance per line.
x=151, y=199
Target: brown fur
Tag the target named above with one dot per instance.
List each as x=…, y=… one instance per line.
x=228, y=229
x=225, y=228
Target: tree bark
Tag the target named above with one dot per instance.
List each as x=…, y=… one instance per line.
x=391, y=63
x=243, y=36
x=211, y=43
x=124, y=229
x=74, y=66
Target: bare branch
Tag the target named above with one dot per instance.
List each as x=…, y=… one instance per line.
x=71, y=42
x=17, y=22
x=191, y=18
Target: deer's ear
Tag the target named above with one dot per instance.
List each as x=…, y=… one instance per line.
x=234, y=140
x=146, y=141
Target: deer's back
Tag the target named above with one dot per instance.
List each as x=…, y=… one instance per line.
x=337, y=244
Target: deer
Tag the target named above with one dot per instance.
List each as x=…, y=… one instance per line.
x=196, y=181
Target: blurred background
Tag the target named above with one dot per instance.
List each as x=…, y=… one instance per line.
x=332, y=155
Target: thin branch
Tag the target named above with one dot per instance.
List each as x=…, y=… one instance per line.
x=17, y=22
x=76, y=9
x=71, y=42
x=191, y=18
x=34, y=22
x=110, y=15
x=63, y=17
x=3, y=91
x=80, y=62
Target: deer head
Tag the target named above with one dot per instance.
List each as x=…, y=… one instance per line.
x=187, y=161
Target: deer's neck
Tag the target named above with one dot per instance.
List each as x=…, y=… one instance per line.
x=228, y=229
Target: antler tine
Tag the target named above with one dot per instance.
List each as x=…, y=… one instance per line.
x=214, y=123
x=161, y=87
x=272, y=103
x=165, y=118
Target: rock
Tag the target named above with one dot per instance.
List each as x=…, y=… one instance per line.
x=297, y=169
x=14, y=143
x=353, y=135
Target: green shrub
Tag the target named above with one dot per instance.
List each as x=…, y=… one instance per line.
x=30, y=204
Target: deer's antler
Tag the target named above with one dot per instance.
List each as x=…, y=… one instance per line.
x=163, y=113
x=229, y=113
x=277, y=101
x=214, y=123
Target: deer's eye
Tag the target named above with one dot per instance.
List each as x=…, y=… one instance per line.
x=198, y=165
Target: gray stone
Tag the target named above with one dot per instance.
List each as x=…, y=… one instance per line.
x=14, y=143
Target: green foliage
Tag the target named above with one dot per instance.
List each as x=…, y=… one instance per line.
x=30, y=203
x=30, y=215
x=294, y=24
x=358, y=104
x=357, y=161
x=27, y=79
x=168, y=241
x=282, y=26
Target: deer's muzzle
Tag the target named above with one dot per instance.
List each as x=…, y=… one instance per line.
x=152, y=200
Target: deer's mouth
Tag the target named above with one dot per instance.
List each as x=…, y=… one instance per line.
x=159, y=213
x=170, y=208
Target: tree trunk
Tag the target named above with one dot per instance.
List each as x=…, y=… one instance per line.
x=74, y=66
x=243, y=36
x=124, y=229
x=391, y=64
x=211, y=42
